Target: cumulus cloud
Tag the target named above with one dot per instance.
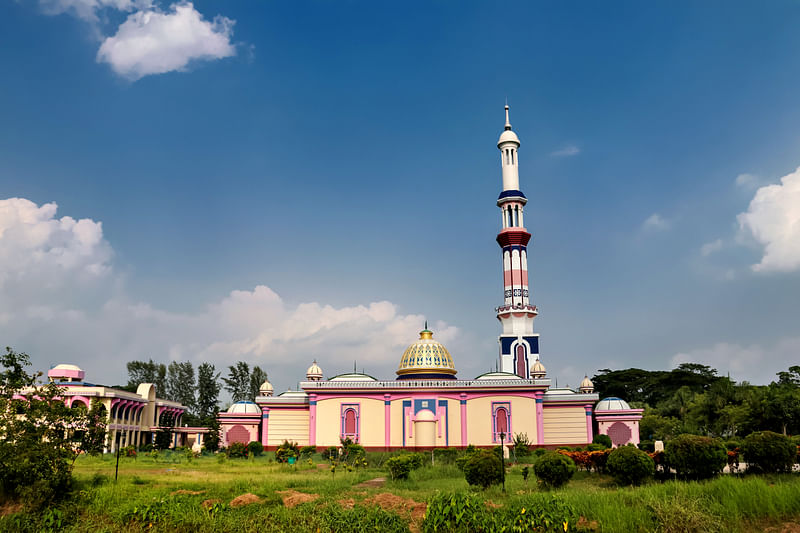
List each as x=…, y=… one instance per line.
x=755, y=363
x=153, y=42
x=566, y=151
x=655, y=222
x=773, y=220
x=62, y=302
x=711, y=247
x=89, y=9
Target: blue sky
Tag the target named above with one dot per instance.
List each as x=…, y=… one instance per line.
x=341, y=154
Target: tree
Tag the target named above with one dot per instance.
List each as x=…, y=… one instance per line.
x=257, y=377
x=208, y=388
x=238, y=381
x=37, y=434
x=180, y=384
x=163, y=438
x=92, y=440
x=212, y=438
x=148, y=372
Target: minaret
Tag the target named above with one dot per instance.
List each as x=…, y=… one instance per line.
x=519, y=345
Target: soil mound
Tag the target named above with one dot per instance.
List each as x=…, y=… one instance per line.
x=207, y=504
x=377, y=482
x=189, y=492
x=391, y=502
x=292, y=498
x=245, y=499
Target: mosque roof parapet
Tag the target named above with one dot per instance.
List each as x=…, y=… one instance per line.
x=429, y=384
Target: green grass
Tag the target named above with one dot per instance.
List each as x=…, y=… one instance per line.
x=144, y=498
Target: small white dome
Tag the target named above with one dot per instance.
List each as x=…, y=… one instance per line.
x=611, y=404
x=498, y=375
x=538, y=369
x=64, y=366
x=586, y=383
x=244, y=408
x=353, y=376
x=314, y=372
x=426, y=415
x=266, y=388
x=508, y=136
x=564, y=390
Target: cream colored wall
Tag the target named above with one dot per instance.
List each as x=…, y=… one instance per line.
x=564, y=425
x=479, y=418
x=397, y=423
x=372, y=424
x=329, y=420
x=454, y=410
x=288, y=424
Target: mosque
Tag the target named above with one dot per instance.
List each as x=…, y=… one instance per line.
x=426, y=406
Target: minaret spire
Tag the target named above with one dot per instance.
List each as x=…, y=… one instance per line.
x=518, y=343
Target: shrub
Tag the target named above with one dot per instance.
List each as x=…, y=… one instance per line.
x=538, y=452
x=331, y=453
x=400, y=466
x=255, y=448
x=457, y=511
x=236, y=449
x=630, y=466
x=765, y=451
x=308, y=451
x=554, y=469
x=445, y=456
x=595, y=447
x=605, y=440
x=647, y=446
x=695, y=457
x=286, y=450
x=522, y=445
x=483, y=469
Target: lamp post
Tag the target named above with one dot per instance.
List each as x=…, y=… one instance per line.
x=503, y=459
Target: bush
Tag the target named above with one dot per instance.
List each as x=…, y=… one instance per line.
x=400, y=466
x=765, y=451
x=647, y=446
x=522, y=445
x=286, y=450
x=595, y=447
x=308, y=451
x=446, y=456
x=554, y=469
x=483, y=469
x=605, y=440
x=236, y=449
x=331, y=453
x=630, y=466
x=457, y=511
x=255, y=448
x=695, y=457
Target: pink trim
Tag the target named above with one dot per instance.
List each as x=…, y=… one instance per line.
x=356, y=408
x=451, y=395
x=539, y=420
x=407, y=417
x=463, y=402
x=63, y=373
x=83, y=399
x=312, y=420
x=387, y=420
x=568, y=406
x=589, y=435
x=265, y=425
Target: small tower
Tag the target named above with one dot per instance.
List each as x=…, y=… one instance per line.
x=537, y=370
x=518, y=343
x=314, y=372
x=266, y=388
x=586, y=385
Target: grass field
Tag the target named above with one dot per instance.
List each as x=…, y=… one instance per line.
x=168, y=494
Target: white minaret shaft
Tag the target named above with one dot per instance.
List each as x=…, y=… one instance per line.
x=519, y=345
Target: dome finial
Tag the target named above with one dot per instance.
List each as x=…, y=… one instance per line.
x=508, y=121
x=426, y=325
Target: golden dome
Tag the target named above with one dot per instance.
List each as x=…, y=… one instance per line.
x=426, y=358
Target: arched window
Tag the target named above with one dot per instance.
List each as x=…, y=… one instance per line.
x=501, y=420
x=350, y=425
x=522, y=362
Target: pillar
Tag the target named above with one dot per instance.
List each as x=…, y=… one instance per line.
x=387, y=421
x=264, y=425
x=312, y=420
x=589, y=435
x=463, y=403
x=539, y=418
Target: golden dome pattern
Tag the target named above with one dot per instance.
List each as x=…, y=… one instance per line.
x=426, y=358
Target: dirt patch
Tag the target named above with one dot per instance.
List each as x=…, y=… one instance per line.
x=788, y=527
x=349, y=503
x=189, y=492
x=8, y=508
x=207, y=504
x=585, y=525
x=292, y=498
x=245, y=499
x=391, y=502
x=491, y=505
x=377, y=482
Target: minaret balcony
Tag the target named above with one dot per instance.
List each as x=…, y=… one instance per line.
x=513, y=237
x=505, y=310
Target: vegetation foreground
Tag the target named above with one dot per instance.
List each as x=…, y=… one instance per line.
x=174, y=493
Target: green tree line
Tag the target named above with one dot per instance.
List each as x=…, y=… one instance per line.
x=693, y=398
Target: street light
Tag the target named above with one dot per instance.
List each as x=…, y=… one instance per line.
x=503, y=459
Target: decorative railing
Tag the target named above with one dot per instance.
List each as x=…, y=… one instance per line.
x=426, y=383
x=518, y=307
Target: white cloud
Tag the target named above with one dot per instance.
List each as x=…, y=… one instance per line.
x=88, y=9
x=655, y=222
x=153, y=42
x=747, y=181
x=711, y=247
x=567, y=151
x=773, y=220
x=755, y=363
x=62, y=302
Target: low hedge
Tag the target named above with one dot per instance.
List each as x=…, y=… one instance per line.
x=769, y=452
x=483, y=469
x=554, y=469
x=695, y=457
x=630, y=466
